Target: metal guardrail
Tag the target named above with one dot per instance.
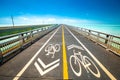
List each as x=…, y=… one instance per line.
x=110, y=42
x=12, y=43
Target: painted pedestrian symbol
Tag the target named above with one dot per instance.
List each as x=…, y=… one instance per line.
x=52, y=49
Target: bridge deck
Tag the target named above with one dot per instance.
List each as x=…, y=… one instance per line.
x=53, y=57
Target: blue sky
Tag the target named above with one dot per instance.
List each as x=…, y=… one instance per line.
x=60, y=11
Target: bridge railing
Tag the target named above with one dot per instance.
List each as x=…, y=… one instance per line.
x=12, y=43
x=110, y=42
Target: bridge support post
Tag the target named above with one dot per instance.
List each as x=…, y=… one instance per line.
x=31, y=35
x=107, y=37
x=98, y=36
x=1, y=56
x=42, y=29
x=89, y=32
x=22, y=37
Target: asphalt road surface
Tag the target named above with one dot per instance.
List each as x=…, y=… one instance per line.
x=62, y=54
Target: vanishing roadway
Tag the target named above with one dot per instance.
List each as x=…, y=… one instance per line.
x=62, y=54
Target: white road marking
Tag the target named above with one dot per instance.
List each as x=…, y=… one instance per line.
x=86, y=62
x=47, y=70
x=31, y=60
x=74, y=46
x=97, y=61
x=48, y=65
x=52, y=49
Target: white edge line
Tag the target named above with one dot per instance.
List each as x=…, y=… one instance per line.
x=97, y=61
x=31, y=60
x=48, y=65
x=46, y=71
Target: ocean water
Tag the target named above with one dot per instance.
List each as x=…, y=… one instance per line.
x=109, y=29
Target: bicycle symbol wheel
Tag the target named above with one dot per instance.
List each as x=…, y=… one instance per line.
x=52, y=49
x=48, y=48
x=91, y=66
x=75, y=65
x=57, y=47
x=87, y=63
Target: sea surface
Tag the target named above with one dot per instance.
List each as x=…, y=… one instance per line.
x=109, y=29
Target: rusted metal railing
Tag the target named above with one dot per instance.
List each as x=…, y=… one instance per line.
x=110, y=42
x=12, y=43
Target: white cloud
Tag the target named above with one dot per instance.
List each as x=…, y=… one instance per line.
x=35, y=20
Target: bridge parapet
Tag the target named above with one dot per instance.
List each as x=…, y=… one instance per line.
x=11, y=43
x=108, y=41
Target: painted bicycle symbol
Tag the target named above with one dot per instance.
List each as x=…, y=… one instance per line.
x=52, y=49
x=77, y=60
x=85, y=61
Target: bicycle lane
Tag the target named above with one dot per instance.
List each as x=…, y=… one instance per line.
x=46, y=65
x=87, y=68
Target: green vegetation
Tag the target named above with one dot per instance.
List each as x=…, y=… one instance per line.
x=11, y=30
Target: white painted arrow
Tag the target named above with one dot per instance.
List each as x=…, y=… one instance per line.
x=46, y=66
x=74, y=46
x=50, y=64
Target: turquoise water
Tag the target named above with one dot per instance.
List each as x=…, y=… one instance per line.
x=109, y=29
